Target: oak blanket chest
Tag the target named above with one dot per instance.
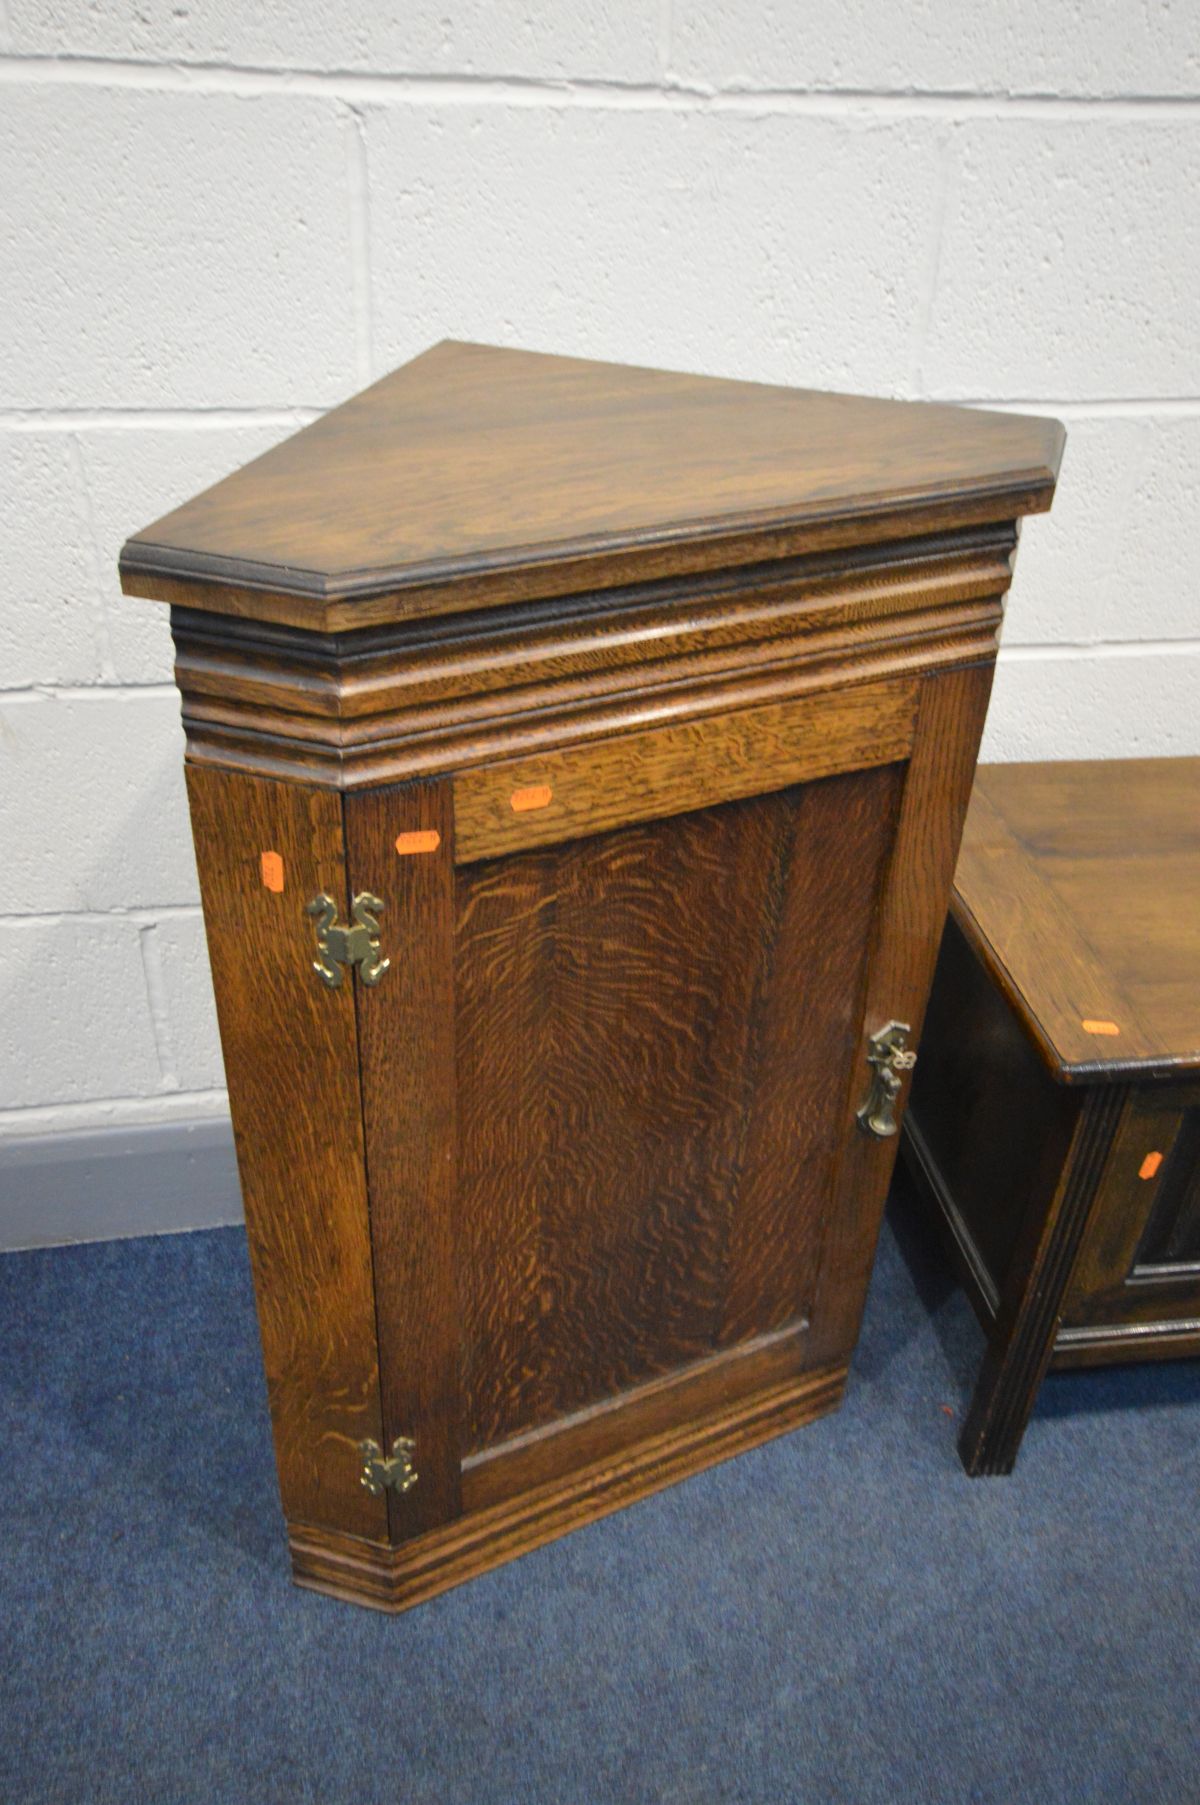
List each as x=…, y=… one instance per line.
x=1055, y=1119
x=577, y=757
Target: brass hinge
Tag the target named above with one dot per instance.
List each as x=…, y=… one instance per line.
x=888, y=1057
x=340, y=946
x=397, y=1474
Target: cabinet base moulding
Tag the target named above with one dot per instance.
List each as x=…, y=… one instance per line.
x=395, y=1578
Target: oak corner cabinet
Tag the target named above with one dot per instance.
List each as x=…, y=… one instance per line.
x=577, y=758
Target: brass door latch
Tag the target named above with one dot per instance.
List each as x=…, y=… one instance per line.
x=397, y=1474
x=340, y=946
x=888, y=1057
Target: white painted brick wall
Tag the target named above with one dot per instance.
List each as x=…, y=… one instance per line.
x=50, y=623
x=1074, y=47
x=692, y=239
x=613, y=40
x=138, y=471
x=82, y=1040
x=1064, y=257
x=217, y=219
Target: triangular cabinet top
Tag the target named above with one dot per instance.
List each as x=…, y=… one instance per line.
x=475, y=476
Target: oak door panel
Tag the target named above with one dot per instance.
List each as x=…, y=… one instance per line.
x=654, y=1029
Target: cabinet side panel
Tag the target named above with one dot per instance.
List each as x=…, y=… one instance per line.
x=400, y=847
x=908, y=926
x=989, y=1126
x=291, y=1061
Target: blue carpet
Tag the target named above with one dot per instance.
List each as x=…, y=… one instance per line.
x=839, y=1616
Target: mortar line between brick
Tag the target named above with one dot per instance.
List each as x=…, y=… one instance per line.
x=359, y=202
x=585, y=91
x=140, y=916
x=666, y=29
x=933, y=268
x=156, y=999
x=1103, y=407
x=1086, y=651
x=89, y=692
x=1143, y=446
x=200, y=419
x=97, y=610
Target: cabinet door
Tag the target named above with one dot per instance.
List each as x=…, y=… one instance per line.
x=609, y=1085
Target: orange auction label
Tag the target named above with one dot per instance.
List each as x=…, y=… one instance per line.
x=536, y=796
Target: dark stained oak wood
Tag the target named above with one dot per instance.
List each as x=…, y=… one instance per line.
x=1140, y=1265
x=1055, y=1121
x=980, y=1085
x=1030, y=1302
x=604, y=1040
x=291, y=1053
x=1074, y=886
x=647, y=706
x=474, y=730
x=465, y=475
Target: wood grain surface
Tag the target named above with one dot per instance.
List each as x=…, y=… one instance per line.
x=1031, y=1298
x=908, y=923
x=988, y=1128
x=551, y=1453
x=474, y=475
x=385, y=704
x=655, y=1027
x=291, y=1056
x=647, y=704
x=406, y=1046
x=1140, y=1262
x=1076, y=887
x=393, y=1579
x=1056, y=1110
x=674, y=769
x=806, y=1019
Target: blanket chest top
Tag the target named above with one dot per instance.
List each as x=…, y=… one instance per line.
x=1055, y=1120
x=577, y=757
